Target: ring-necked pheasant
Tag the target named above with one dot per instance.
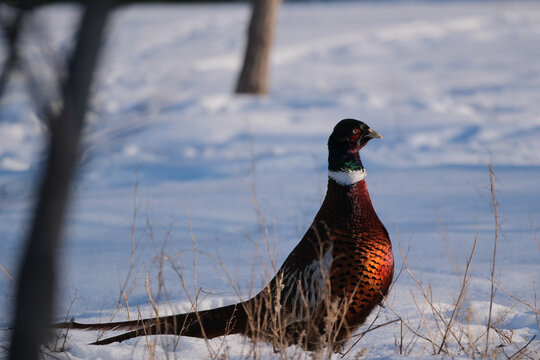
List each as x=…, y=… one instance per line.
x=338, y=273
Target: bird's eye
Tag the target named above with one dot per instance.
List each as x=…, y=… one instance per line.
x=355, y=131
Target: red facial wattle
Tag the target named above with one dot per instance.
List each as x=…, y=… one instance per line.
x=355, y=137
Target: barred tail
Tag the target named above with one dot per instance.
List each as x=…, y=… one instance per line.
x=121, y=325
x=207, y=324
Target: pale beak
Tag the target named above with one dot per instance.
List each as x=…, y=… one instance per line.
x=372, y=134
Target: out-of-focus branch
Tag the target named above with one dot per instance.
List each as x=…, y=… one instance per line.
x=12, y=29
x=35, y=297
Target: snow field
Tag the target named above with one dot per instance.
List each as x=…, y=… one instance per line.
x=450, y=85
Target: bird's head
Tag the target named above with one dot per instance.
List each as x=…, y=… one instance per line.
x=348, y=137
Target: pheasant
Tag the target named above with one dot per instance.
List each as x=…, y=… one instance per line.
x=328, y=285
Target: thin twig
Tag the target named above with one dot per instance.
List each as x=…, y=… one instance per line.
x=401, y=337
x=8, y=274
x=496, y=216
x=150, y=298
x=423, y=316
x=519, y=300
x=523, y=348
x=63, y=347
x=461, y=292
x=132, y=253
x=376, y=327
x=430, y=302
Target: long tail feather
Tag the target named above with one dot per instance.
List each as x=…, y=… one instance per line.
x=119, y=338
x=120, y=325
x=208, y=324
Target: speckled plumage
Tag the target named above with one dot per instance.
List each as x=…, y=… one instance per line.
x=328, y=285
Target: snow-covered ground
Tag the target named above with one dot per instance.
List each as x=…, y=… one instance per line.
x=450, y=85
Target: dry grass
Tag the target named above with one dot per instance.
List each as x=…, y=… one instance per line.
x=496, y=240
x=458, y=324
x=14, y=285
x=435, y=330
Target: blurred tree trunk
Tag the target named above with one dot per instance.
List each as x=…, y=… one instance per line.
x=37, y=273
x=253, y=78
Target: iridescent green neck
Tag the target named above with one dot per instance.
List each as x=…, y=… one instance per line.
x=344, y=161
x=345, y=168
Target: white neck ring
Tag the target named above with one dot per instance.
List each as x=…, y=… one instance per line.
x=347, y=178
